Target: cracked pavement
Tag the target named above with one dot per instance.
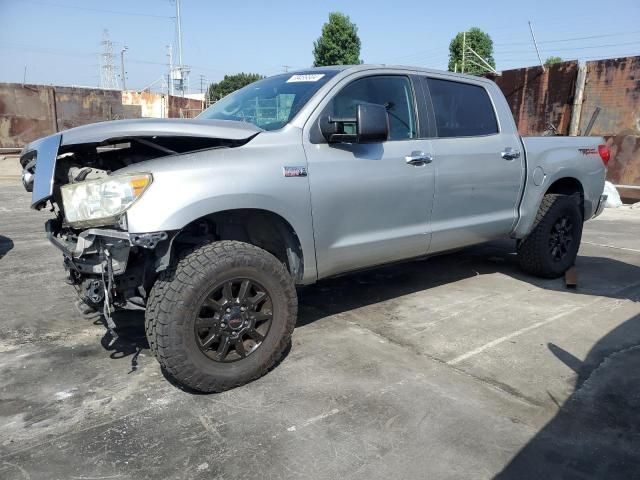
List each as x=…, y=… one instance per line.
x=459, y=366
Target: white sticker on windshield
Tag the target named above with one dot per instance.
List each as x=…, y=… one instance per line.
x=310, y=77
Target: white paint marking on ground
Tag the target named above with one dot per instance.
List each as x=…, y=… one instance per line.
x=500, y=340
x=312, y=420
x=611, y=246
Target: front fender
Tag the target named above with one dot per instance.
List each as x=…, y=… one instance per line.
x=207, y=182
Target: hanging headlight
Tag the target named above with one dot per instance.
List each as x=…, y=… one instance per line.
x=100, y=202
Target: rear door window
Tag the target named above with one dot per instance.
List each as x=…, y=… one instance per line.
x=461, y=109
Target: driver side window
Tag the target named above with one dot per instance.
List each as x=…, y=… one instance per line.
x=392, y=91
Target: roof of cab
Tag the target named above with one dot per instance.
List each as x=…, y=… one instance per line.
x=373, y=66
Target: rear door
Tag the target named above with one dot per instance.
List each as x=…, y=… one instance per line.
x=479, y=165
x=370, y=202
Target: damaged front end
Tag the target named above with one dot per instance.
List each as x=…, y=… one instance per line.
x=76, y=174
x=109, y=269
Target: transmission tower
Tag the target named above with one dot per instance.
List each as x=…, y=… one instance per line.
x=108, y=78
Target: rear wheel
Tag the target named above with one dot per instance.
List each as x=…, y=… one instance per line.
x=552, y=246
x=222, y=316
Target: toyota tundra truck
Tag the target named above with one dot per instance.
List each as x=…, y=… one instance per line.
x=210, y=224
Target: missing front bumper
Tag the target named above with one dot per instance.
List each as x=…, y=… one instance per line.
x=85, y=254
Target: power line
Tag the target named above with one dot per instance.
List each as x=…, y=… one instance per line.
x=570, y=39
x=76, y=53
x=420, y=56
x=570, y=49
x=100, y=10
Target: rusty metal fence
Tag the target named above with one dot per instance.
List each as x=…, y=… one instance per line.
x=538, y=98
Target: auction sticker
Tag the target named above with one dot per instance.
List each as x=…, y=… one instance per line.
x=310, y=77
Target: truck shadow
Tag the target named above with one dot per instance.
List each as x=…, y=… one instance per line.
x=6, y=244
x=132, y=339
x=597, y=276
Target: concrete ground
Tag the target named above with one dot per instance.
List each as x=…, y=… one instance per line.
x=455, y=367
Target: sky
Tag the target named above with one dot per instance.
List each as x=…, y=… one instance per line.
x=59, y=41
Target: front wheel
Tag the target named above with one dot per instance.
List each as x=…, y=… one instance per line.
x=222, y=316
x=552, y=246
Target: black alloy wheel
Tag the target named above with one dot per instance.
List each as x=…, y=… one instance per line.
x=221, y=315
x=561, y=238
x=233, y=320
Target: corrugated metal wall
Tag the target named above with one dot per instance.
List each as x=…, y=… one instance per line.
x=28, y=112
x=614, y=86
x=538, y=97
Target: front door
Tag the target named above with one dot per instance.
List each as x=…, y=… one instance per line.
x=371, y=202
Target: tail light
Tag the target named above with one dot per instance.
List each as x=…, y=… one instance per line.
x=605, y=154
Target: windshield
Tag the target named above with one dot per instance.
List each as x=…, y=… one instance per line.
x=272, y=102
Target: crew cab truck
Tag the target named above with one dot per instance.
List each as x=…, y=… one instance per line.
x=210, y=224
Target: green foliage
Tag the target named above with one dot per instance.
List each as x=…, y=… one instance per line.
x=552, y=60
x=339, y=43
x=480, y=42
x=231, y=83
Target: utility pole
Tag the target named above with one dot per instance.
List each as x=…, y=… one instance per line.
x=578, y=97
x=179, y=26
x=469, y=55
x=464, y=50
x=285, y=68
x=202, y=82
x=122, y=70
x=24, y=77
x=170, y=76
x=536, y=46
x=182, y=72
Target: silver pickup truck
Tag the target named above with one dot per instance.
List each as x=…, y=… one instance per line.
x=209, y=224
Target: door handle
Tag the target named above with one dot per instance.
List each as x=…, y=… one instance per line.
x=510, y=153
x=418, y=159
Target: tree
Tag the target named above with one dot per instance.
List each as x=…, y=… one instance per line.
x=339, y=43
x=231, y=83
x=480, y=42
x=552, y=60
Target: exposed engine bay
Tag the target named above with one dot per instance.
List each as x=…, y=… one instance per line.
x=109, y=267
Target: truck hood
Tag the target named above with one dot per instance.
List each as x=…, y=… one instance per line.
x=39, y=158
x=147, y=127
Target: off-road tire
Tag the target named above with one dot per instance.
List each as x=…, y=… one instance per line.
x=534, y=251
x=175, y=299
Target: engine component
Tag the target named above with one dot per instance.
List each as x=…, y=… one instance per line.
x=80, y=174
x=147, y=240
x=93, y=291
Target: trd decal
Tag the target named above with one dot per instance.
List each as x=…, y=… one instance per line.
x=588, y=151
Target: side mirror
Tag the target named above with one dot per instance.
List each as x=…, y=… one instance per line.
x=371, y=125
